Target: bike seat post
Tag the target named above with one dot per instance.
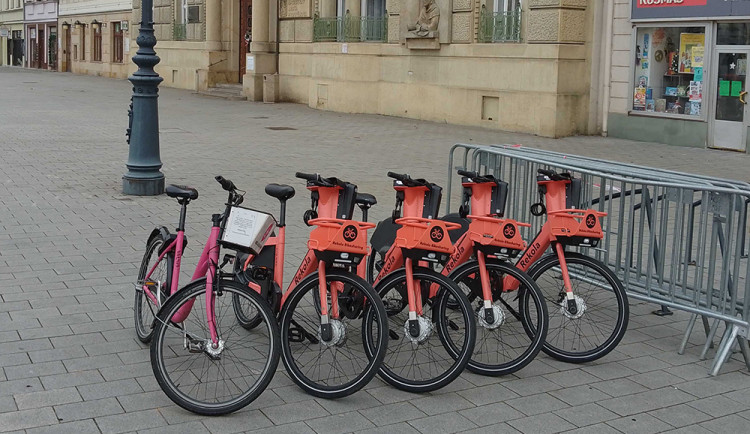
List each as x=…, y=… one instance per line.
x=364, y=207
x=282, y=213
x=183, y=214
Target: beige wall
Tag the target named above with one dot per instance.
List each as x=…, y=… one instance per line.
x=106, y=67
x=541, y=86
x=622, y=40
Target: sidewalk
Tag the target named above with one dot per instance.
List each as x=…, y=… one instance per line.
x=71, y=244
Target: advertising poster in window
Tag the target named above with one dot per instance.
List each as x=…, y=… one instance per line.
x=688, y=42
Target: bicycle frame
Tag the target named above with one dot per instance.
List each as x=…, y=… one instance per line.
x=562, y=223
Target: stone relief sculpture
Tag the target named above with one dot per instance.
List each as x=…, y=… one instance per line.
x=427, y=21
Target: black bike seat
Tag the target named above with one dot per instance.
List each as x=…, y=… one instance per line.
x=365, y=199
x=182, y=191
x=280, y=191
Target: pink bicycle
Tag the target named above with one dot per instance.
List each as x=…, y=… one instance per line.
x=202, y=356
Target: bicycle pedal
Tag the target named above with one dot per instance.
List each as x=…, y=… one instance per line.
x=452, y=325
x=393, y=335
x=296, y=335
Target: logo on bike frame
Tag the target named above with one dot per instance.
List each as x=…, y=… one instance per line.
x=590, y=221
x=350, y=233
x=437, y=234
x=509, y=231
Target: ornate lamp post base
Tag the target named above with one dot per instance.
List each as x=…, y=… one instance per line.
x=143, y=177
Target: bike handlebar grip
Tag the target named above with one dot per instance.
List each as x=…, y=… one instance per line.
x=399, y=177
x=225, y=183
x=468, y=174
x=546, y=172
x=307, y=176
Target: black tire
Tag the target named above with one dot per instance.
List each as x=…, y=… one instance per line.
x=374, y=264
x=449, y=312
x=507, y=348
x=144, y=310
x=257, y=351
x=300, y=317
x=247, y=315
x=604, y=320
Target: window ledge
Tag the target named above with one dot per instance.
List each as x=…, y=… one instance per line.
x=701, y=118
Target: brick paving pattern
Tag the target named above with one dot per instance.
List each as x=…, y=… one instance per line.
x=71, y=245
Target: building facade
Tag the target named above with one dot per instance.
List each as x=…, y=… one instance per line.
x=11, y=33
x=40, y=21
x=199, y=42
x=95, y=37
x=514, y=65
x=678, y=72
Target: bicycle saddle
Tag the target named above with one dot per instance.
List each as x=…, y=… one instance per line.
x=280, y=191
x=182, y=191
x=365, y=199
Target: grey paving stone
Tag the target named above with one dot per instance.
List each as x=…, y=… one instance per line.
x=26, y=385
x=353, y=402
x=442, y=423
x=13, y=359
x=46, y=398
x=143, y=401
x=657, y=379
x=645, y=364
x=717, y=406
x=488, y=394
x=639, y=424
x=237, y=422
x=96, y=362
x=437, y=404
x=58, y=381
x=340, y=423
x=646, y=401
x=531, y=386
x=392, y=413
x=111, y=388
x=500, y=428
x=541, y=424
x=25, y=346
x=56, y=354
x=88, y=409
x=289, y=428
x=572, y=378
x=7, y=403
x=609, y=371
x=389, y=395
x=579, y=395
x=79, y=427
x=130, y=422
x=292, y=394
x=586, y=414
x=619, y=387
x=182, y=428
x=34, y=370
x=536, y=404
x=294, y=412
x=397, y=428
x=692, y=429
x=492, y=414
x=599, y=428
x=704, y=387
x=24, y=419
x=680, y=415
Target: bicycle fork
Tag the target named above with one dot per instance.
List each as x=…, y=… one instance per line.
x=331, y=329
x=414, y=297
x=572, y=305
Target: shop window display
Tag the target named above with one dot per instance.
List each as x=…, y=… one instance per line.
x=669, y=64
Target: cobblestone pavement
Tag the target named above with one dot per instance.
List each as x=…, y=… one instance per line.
x=71, y=244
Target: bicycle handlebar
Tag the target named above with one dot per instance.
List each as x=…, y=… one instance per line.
x=318, y=180
x=551, y=174
x=407, y=180
x=225, y=183
x=307, y=176
x=468, y=174
x=476, y=177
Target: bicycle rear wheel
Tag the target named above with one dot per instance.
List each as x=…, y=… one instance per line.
x=145, y=309
x=208, y=380
x=444, y=346
x=504, y=343
x=340, y=366
x=602, y=308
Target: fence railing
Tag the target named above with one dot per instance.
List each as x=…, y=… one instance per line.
x=350, y=29
x=499, y=26
x=674, y=239
x=179, y=32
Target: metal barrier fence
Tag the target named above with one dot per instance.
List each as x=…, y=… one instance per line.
x=675, y=239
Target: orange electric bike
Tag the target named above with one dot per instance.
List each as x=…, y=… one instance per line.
x=322, y=312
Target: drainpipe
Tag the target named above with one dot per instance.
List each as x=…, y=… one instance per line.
x=278, y=34
x=609, y=25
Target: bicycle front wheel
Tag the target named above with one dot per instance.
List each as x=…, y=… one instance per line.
x=339, y=366
x=213, y=379
x=504, y=343
x=443, y=347
x=145, y=308
x=601, y=303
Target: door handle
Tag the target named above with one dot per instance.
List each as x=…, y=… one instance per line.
x=742, y=95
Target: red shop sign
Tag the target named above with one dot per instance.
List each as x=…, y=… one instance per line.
x=668, y=3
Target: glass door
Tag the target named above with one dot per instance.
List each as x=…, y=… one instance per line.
x=730, y=120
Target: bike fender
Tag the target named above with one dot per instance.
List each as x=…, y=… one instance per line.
x=163, y=232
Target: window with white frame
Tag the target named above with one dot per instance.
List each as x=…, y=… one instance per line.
x=668, y=70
